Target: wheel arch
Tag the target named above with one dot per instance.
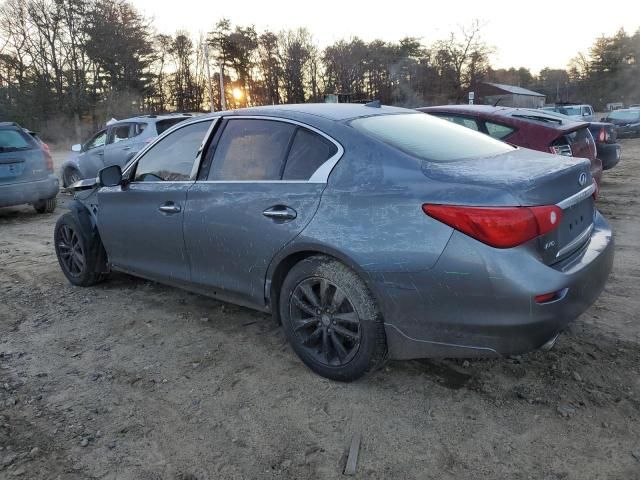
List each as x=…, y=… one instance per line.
x=88, y=223
x=288, y=257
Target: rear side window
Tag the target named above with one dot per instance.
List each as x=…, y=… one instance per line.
x=119, y=133
x=463, y=121
x=164, y=125
x=498, y=131
x=429, y=138
x=251, y=149
x=13, y=140
x=308, y=151
x=172, y=158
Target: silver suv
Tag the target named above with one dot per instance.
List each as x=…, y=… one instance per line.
x=115, y=144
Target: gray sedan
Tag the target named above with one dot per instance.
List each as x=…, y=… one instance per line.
x=369, y=232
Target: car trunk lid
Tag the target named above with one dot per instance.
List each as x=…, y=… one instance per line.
x=532, y=178
x=21, y=160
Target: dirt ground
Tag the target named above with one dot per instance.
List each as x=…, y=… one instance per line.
x=135, y=380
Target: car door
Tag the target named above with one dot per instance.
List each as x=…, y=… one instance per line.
x=259, y=187
x=118, y=146
x=140, y=222
x=92, y=157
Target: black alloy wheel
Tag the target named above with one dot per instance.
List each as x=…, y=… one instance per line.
x=325, y=321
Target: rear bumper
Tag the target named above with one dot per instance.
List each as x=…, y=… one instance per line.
x=609, y=153
x=29, y=192
x=479, y=302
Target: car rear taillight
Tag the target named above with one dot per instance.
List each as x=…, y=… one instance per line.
x=499, y=227
x=48, y=159
x=603, y=135
x=561, y=150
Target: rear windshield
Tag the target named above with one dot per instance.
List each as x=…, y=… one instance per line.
x=430, y=138
x=13, y=140
x=568, y=110
x=624, y=115
x=163, y=125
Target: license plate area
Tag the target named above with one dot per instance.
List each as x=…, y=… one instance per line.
x=11, y=170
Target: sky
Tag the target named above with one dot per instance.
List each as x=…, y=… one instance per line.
x=532, y=34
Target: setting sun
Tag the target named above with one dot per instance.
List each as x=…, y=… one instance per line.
x=237, y=93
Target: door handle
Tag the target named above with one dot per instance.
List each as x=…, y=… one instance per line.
x=280, y=212
x=170, y=208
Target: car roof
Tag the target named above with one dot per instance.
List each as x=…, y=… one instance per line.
x=151, y=118
x=330, y=111
x=9, y=124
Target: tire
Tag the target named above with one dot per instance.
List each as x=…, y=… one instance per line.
x=80, y=255
x=45, y=206
x=346, y=339
x=70, y=176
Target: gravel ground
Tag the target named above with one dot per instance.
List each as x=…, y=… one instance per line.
x=135, y=380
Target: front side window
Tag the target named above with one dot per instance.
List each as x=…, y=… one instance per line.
x=429, y=138
x=308, y=151
x=251, y=149
x=119, y=133
x=498, y=131
x=172, y=158
x=98, y=140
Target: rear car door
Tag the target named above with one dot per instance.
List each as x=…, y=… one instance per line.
x=118, y=146
x=140, y=223
x=260, y=185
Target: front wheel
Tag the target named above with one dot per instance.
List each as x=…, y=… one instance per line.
x=70, y=176
x=80, y=255
x=331, y=319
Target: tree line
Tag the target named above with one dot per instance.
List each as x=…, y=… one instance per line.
x=66, y=66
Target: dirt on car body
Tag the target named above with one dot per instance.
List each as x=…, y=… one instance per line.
x=135, y=380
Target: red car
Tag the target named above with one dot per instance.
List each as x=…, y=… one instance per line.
x=526, y=128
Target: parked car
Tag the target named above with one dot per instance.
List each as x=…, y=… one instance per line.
x=26, y=170
x=605, y=135
x=577, y=112
x=627, y=122
x=536, y=130
x=115, y=144
x=634, y=106
x=369, y=232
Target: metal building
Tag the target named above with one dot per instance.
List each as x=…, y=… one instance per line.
x=510, y=96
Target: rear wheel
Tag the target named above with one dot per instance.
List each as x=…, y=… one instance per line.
x=80, y=256
x=45, y=206
x=331, y=320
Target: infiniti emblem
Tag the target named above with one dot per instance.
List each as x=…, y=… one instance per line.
x=582, y=179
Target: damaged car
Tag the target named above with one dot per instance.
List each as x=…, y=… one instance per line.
x=370, y=232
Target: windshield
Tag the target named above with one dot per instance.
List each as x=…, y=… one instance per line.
x=624, y=115
x=567, y=110
x=430, y=138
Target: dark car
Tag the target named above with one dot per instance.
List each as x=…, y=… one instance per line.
x=604, y=134
x=26, y=170
x=627, y=122
x=536, y=130
x=370, y=232
x=115, y=144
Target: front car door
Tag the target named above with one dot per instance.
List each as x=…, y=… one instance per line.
x=140, y=222
x=256, y=191
x=92, y=158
